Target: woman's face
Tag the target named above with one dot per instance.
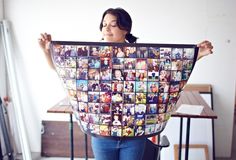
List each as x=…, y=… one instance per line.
x=110, y=30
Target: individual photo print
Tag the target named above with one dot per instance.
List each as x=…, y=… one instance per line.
x=161, y=108
x=72, y=94
x=117, y=74
x=174, y=87
x=83, y=107
x=59, y=61
x=105, y=74
x=82, y=62
x=105, y=97
x=142, y=52
x=153, y=87
x=150, y=129
x=117, y=98
x=128, y=120
x=105, y=108
x=117, y=108
x=105, y=119
x=186, y=74
x=141, y=75
x=106, y=62
x=152, y=98
x=164, y=87
x=141, y=86
x=150, y=119
x=116, y=119
x=160, y=118
x=165, y=53
x=70, y=73
x=187, y=64
x=173, y=97
x=118, y=63
x=70, y=83
x=70, y=51
x=82, y=85
x=84, y=117
x=151, y=108
x=105, y=51
x=129, y=98
x=128, y=109
x=94, y=128
x=176, y=76
x=176, y=65
x=117, y=86
x=105, y=86
x=129, y=74
x=164, y=76
x=188, y=53
x=93, y=118
x=94, y=51
x=70, y=62
x=82, y=73
x=154, y=52
x=130, y=52
x=129, y=63
x=163, y=98
x=140, y=109
x=140, y=98
x=104, y=130
x=129, y=86
x=93, y=97
x=94, y=108
x=94, y=74
x=139, y=119
x=82, y=96
x=177, y=53
x=118, y=52
x=153, y=65
x=153, y=76
x=128, y=131
x=141, y=64
x=94, y=62
x=82, y=51
x=139, y=130
x=116, y=131
x=58, y=50
x=93, y=86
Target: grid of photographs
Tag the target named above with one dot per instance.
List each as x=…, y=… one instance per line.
x=123, y=90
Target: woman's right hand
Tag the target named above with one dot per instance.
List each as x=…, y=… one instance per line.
x=44, y=43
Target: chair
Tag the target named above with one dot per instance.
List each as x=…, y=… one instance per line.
x=152, y=150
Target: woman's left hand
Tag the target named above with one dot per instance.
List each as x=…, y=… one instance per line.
x=205, y=48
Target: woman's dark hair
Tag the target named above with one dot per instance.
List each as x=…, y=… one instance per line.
x=124, y=22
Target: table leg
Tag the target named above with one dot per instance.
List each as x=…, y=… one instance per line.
x=86, y=146
x=180, y=137
x=71, y=138
x=187, y=138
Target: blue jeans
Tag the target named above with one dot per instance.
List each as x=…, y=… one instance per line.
x=112, y=149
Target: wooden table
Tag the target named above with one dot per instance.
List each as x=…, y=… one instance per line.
x=187, y=97
x=192, y=98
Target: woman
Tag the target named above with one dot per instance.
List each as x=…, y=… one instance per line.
x=116, y=27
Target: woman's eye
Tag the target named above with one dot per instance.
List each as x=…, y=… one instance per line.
x=104, y=25
x=114, y=25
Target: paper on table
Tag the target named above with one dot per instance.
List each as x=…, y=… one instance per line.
x=190, y=109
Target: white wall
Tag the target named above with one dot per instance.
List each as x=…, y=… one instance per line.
x=1, y=9
x=157, y=21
